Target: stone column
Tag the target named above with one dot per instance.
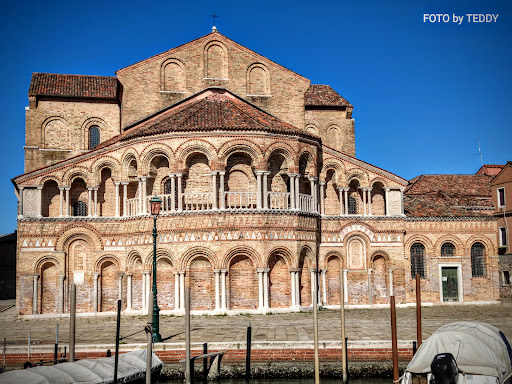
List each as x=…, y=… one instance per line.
x=292, y=189
x=62, y=277
x=221, y=192
x=386, y=200
x=129, y=291
x=117, y=183
x=402, y=201
x=370, y=290
x=217, y=289
x=370, y=201
x=144, y=199
x=260, y=288
x=95, y=299
x=182, y=290
x=292, y=287
x=61, y=201
x=266, y=303
x=313, y=195
x=297, y=192
x=89, y=201
x=148, y=288
x=177, y=291
x=95, y=201
x=324, y=286
x=139, y=206
x=125, y=198
x=364, y=200
x=345, y=194
x=223, y=301
x=144, y=293
x=391, y=291
x=258, y=189
x=67, y=201
x=322, y=200
x=35, y=295
x=20, y=206
x=173, y=191
x=297, y=287
x=180, y=199
x=120, y=295
x=39, y=200
x=214, y=189
x=345, y=283
x=265, y=189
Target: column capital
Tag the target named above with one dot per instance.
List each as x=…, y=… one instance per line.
x=125, y=182
x=182, y=272
x=116, y=183
x=292, y=174
x=402, y=189
x=146, y=272
x=260, y=270
x=266, y=173
x=120, y=274
x=93, y=188
x=67, y=188
x=387, y=189
x=314, y=270
x=179, y=174
x=295, y=269
x=62, y=188
x=216, y=271
x=62, y=276
x=345, y=270
x=322, y=183
x=96, y=275
x=259, y=172
x=369, y=270
x=40, y=187
x=223, y=270
x=142, y=178
x=222, y=173
x=129, y=274
x=22, y=187
x=324, y=271
x=36, y=276
x=214, y=173
x=312, y=178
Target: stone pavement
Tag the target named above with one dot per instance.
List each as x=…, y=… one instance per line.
x=361, y=325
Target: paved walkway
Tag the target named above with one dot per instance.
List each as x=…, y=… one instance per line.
x=361, y=324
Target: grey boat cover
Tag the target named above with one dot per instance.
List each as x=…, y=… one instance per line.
x=479, y=349
x=131, y=366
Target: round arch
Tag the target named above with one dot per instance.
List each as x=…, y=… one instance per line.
x=42, y=261
x=283, y=252
x=153, y=150
x=192, y=253
x=240, y=145
x=245, y=251
x=190, y=147
x=85, y=232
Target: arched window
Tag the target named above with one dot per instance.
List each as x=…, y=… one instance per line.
x=94, y=136
x=478, y=260
x=448, y=249
x=417, y=260
x=80, y=208
x=352, y=206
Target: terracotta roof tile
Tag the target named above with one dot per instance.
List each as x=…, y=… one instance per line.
x=216, y=109
x=50, y=84
x=319, y=95
x=448, y=195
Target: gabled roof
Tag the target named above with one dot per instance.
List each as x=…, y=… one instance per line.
x=215, y=34
x=503, y=176
x=319, y=95
x=448, y=195
x=213, y=109
x=489, y=169
x=76, y=86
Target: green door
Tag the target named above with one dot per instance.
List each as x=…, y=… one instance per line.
x=450, y=284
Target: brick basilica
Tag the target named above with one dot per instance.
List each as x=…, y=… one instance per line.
x=263, y=197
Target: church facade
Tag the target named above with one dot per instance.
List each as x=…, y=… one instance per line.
x=262, y=196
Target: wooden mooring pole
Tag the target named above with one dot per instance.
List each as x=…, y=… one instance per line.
x=72, y=323
x=56, y=349
x=248, y=355
x=394, y=343
x=343, y=337
x=188, y=373
x=418, y=311
x=149, y=336
x=315, y=332
x=5, y=350
x=118, y=328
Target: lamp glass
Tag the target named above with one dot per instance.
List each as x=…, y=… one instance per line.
x=156, y=204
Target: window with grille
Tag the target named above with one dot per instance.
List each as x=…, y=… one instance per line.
x=478, y=260
x=417, y=260
x=447, y=249
x=94, y=136
x=80, y=208
x=352, y=206
x=167, y=187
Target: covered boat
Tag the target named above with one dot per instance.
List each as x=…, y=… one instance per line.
x=131, y=368
x=462, y=352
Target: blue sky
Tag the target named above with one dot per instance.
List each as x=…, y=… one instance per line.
x=423, y=93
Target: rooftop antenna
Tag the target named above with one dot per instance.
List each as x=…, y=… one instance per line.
x=214, y=29
x=479, y=153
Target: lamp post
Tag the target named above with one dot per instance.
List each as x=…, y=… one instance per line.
x=155, y=210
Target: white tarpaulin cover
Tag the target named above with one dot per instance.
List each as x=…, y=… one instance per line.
x=478, y=348
x=131, y=366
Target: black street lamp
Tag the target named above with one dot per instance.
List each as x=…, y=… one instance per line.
x=155, y=210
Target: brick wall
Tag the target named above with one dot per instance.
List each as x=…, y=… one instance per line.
x=243, y=283
x=279, y=283
x=202, y=284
